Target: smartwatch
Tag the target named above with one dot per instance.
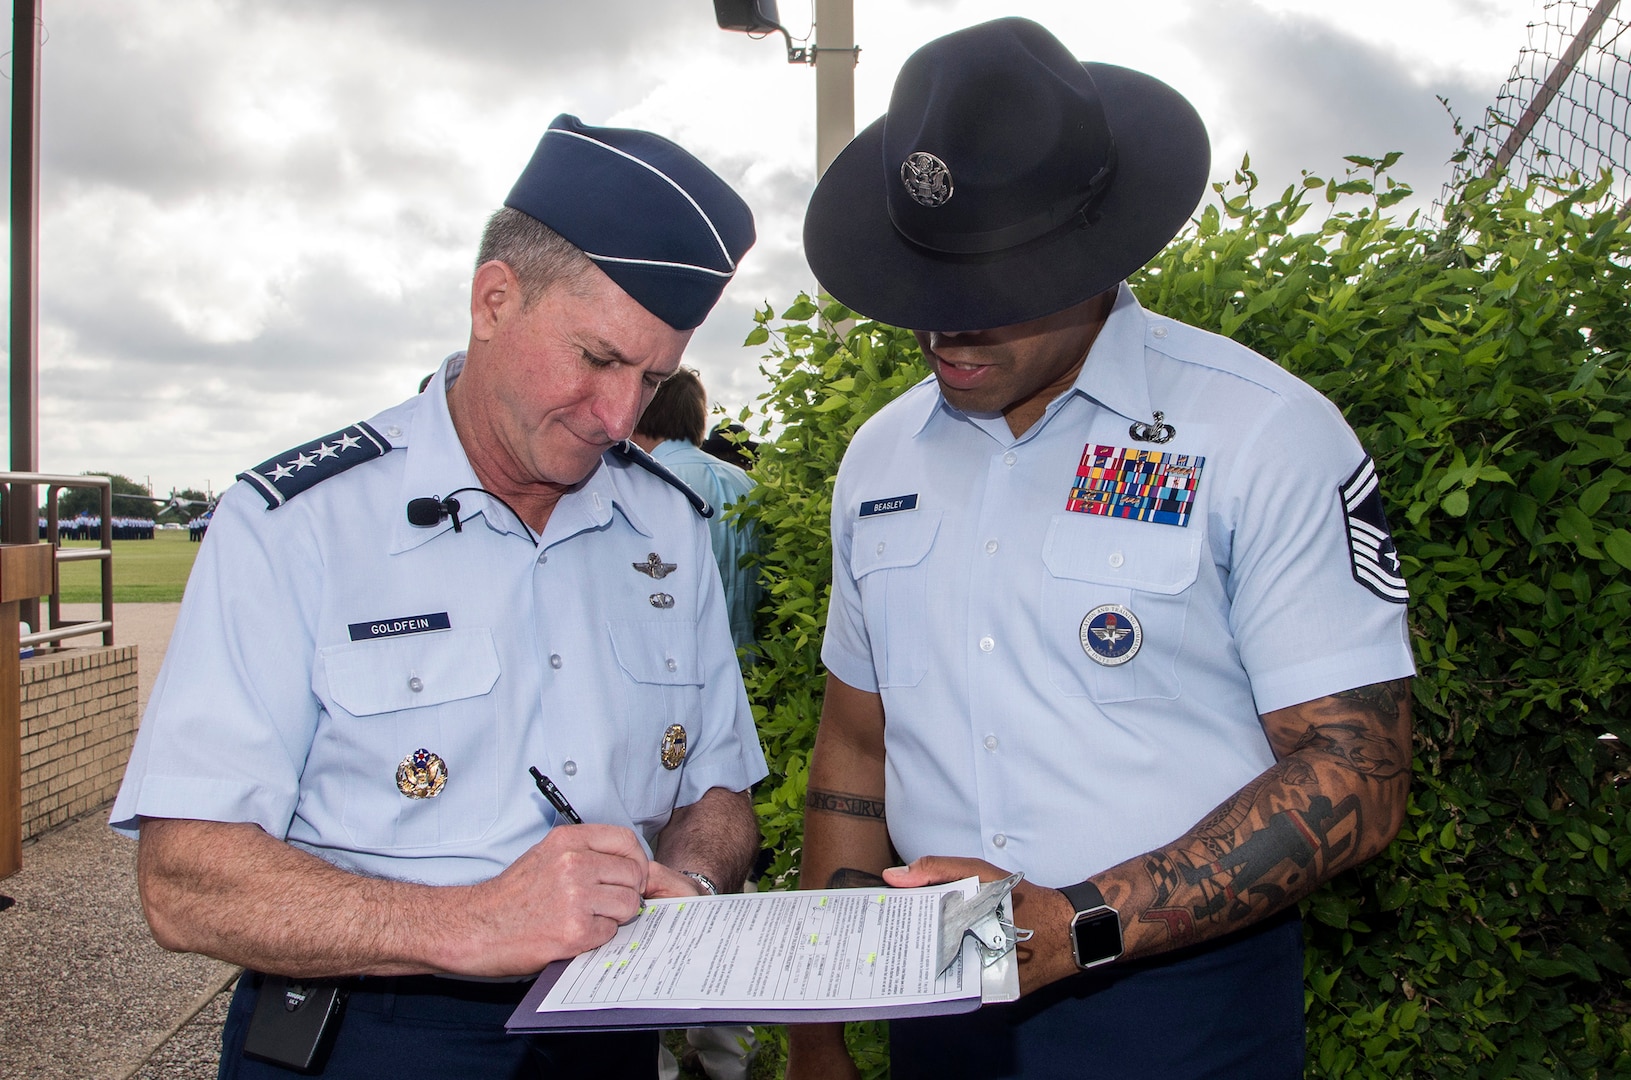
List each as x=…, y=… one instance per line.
x=1095, y=932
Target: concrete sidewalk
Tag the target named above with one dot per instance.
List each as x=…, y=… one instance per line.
x=84, y=991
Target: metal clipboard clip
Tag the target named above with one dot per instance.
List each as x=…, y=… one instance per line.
x=987, y=916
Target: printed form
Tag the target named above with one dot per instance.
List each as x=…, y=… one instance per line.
x=781, y=951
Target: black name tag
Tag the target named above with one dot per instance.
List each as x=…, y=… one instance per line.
x=892, y=505
x=410, y=624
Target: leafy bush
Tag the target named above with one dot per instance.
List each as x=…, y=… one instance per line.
x=1484, y=366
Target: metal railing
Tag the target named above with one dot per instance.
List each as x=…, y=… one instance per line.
x=56, y=629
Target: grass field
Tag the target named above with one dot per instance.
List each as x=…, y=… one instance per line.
x=144, y=571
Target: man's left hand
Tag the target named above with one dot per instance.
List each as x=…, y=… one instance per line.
x=1046, y=957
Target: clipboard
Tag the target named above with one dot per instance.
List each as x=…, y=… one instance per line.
x=974, y=927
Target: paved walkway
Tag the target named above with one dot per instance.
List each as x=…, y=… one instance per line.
x=84, y=991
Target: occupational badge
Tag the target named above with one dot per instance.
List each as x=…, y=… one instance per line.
x=661, y=600
x=654, y=567
x=1158, y=432
x=1111, y=635
x=673, y=746
x=421, y=775
x=927, y=179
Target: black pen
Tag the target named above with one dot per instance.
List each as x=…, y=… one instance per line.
x=553, y=794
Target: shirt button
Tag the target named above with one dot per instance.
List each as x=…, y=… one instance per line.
x=543, y=557
x=393, y=431
x=570, y=768
x=415, y=684
x=986, y=644
x=671, y=664
x=1009, y=458
x=990, y=547
x=1116, y=559
x=1000, y=840
x=555, y=660
x=990, y=742
x=1159, y=331
x=881, y=546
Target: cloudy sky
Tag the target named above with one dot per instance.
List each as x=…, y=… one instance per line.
x=258, y=217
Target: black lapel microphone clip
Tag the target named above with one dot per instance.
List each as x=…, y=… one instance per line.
x=429, y=511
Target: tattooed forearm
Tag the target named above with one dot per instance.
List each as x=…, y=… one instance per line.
x=1334, y=798
x=838, y=802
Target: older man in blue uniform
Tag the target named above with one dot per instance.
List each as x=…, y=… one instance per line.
x=1114, y=602
x=389, y=627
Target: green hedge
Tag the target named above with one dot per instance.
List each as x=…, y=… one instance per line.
x=1484, y=367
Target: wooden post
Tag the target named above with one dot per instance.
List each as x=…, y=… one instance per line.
x=25, y=574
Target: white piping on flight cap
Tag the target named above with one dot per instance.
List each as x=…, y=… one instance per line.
x=723, y=250
x=658, y=262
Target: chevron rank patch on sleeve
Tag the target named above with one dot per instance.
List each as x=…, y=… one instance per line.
x=1374, y=559
x=281, y=478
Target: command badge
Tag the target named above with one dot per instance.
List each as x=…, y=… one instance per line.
x=654, y=567
x=1111, y=635
x=673, y=746
x=421, y=775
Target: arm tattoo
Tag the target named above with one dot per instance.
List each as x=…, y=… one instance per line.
x=1288, y=830
x=838, y=802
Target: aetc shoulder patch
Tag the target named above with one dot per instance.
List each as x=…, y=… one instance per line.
x=1374, y=559
x=281, y=478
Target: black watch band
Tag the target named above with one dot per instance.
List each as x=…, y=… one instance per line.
x=1095, y=932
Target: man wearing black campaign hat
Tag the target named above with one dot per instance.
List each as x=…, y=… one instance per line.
x=388, y=627
x=1114, y=601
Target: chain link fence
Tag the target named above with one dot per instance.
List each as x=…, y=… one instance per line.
x=1566, y=108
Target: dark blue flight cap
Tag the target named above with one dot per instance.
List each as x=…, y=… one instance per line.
x=654, y=219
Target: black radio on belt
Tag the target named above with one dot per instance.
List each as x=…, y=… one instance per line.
x=294, y=1022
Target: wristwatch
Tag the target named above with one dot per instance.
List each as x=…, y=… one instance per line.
x=1095, y=932
x=704, y=880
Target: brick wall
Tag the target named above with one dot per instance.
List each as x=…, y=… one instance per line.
x=79, y=722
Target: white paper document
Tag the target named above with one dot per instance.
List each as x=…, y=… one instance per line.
x=775, y=957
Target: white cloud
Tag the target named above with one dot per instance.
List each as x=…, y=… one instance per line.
x=258, y=219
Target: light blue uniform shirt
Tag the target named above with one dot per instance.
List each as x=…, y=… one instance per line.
x=287, y=700
x=722, y=484
x=961, y=583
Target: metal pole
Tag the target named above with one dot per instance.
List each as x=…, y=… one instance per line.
x=835, y=59
x=20, y=525
x=1554, y=83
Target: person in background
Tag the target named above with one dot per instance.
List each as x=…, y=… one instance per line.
x=670, y=430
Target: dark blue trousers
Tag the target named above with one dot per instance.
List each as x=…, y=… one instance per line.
x=1231, y=1009
x=408, y=1028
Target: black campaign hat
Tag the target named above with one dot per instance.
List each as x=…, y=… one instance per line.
x=656, y=220
x=1006, y=182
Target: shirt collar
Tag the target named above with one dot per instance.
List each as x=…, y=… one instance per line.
x=437, y=466
x=1107, y=375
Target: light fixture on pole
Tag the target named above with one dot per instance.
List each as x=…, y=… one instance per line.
x=835, y=75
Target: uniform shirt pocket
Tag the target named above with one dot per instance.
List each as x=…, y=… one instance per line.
x=889, y=560
x=1146, y=568
x=662, y=688
x=389, y=698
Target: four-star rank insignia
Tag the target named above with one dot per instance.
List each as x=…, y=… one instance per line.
x=1111, y=635
x=421, y=775
x=281, y=478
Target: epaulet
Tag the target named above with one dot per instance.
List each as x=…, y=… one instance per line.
x=281, y=478
x=634, y=455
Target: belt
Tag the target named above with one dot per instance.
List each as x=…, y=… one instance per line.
x=509, y=992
